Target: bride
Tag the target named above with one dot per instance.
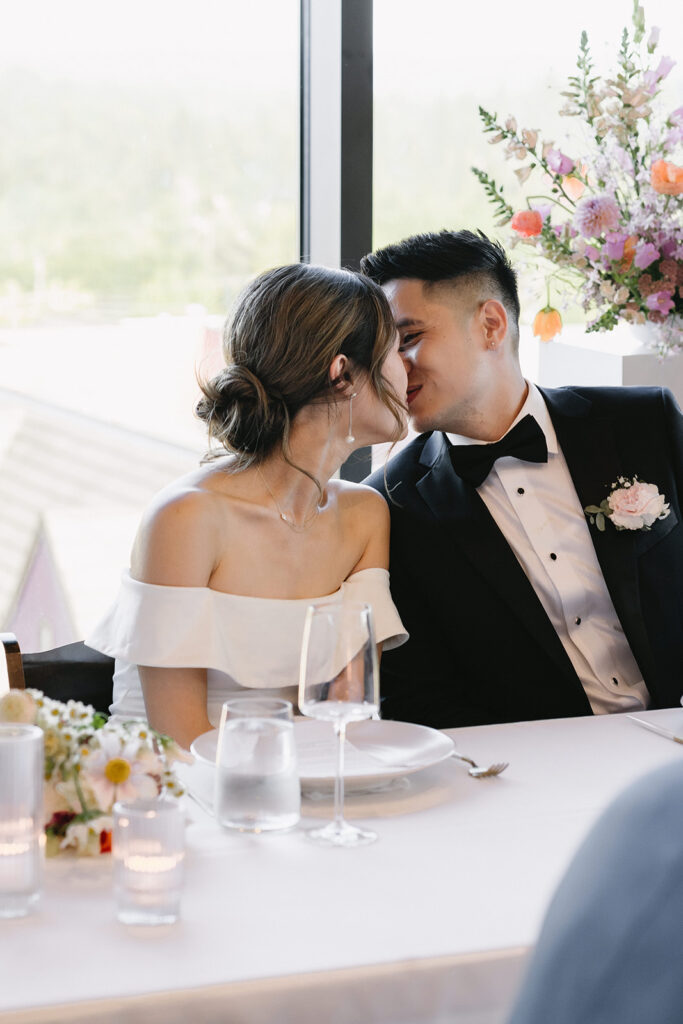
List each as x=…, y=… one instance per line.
x=228, y=557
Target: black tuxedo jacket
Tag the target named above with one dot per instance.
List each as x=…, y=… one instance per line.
x=481, y=647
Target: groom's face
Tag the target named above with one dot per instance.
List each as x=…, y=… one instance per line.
x=443, y=353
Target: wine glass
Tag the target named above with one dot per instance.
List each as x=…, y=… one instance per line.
x=339, y=683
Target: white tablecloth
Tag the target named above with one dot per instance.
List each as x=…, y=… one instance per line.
x=431, y=923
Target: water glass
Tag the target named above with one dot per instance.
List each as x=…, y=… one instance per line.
x=257, y=781
x=148, y=849
x=21, y=817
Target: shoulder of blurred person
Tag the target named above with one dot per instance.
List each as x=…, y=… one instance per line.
x=609, y=951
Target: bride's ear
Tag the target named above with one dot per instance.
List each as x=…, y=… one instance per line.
x=340, y=374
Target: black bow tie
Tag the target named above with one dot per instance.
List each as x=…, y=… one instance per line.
x=526, y=441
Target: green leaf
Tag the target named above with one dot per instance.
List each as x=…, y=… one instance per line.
x=600, y=522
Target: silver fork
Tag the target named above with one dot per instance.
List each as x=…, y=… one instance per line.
x=481, y=773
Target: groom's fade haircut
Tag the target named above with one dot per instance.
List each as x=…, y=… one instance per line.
x=463, y=258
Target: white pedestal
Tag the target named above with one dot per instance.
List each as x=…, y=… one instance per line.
x=605, y=360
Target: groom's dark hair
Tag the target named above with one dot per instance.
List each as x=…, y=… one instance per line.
x=445, y=257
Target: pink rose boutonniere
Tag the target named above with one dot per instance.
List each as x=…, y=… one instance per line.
x=631, y=505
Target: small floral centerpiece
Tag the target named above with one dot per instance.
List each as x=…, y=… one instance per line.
x=607, y=221
x=90, y=763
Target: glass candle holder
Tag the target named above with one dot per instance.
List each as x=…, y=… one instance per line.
x=22, y=837
x=148, y=849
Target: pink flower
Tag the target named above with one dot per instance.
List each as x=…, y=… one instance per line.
x=646, y=253
x=614, y=245
x=559, y=163
x=636, y=506
x=676, y=117
x=527, y=223
x=596, y=214
x=593, y=253
x=660, y=302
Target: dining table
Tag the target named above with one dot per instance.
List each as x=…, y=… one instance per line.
x=431, y=923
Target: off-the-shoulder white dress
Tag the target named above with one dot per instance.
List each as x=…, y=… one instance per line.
x=249, y=645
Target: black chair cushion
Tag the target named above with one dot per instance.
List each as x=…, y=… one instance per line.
x=72, y=672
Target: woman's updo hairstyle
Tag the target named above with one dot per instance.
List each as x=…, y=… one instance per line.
x=287, y=327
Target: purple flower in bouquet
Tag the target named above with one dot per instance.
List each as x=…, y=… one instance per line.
x=596, y=214
x=660, y=302
x=559, y=163
x=614, y=244
x=646, y=253
x=651, y=79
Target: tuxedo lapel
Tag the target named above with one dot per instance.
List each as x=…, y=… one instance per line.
x=591, y=451
x=469, y=526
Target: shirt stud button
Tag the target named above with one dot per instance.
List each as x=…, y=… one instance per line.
x=520, y=490
x=615, y=681
x=577, y=620
x=553, y=556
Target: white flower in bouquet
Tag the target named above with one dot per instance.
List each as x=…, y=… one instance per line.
x=90, y=763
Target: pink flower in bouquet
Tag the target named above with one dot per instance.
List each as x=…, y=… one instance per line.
x=573, y=187
x=660, y=302
x=595, y=215
x=646, y=253
x=559, y=163
x=527, y=223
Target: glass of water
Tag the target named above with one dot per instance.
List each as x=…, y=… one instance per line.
x=339, y=683
x=257, y=780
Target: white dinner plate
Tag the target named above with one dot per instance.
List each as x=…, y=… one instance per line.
x=376, y=752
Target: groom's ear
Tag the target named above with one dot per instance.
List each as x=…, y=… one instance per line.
x=493, y=322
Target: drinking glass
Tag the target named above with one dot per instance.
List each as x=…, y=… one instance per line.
x=339, y=683
x=148, y=850
x=257, y=785
x=21, y=817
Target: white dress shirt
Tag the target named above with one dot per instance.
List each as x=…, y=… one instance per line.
x=538, y=512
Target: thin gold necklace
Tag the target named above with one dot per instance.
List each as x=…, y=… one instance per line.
x=292, y=523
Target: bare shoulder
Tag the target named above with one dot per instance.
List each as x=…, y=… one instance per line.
x=178, y=541
x=361, y=500
x=366, y=517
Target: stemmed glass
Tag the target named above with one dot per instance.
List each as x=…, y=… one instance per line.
x=339, y=683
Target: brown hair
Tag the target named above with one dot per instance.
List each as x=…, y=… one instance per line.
x=288, y=325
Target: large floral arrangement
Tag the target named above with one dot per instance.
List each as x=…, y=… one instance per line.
x=90, y=763
x=607, y=221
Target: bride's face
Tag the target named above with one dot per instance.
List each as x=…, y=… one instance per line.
x=373, y=420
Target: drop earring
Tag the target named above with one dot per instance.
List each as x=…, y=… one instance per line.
x=349, y=437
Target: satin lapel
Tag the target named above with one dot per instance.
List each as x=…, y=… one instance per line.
x=466, y=521
x=590, y=449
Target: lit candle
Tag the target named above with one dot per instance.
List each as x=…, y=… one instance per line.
x=21, y=817
x=148, y=849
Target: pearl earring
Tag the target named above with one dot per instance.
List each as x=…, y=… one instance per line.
x=349, y=437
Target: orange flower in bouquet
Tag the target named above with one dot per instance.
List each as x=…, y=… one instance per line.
x=547, y=323
x=667, y=178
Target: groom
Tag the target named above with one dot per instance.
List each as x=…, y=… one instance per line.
x=519, y=606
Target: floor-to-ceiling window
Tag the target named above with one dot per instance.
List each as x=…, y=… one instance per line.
x=148, y=168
